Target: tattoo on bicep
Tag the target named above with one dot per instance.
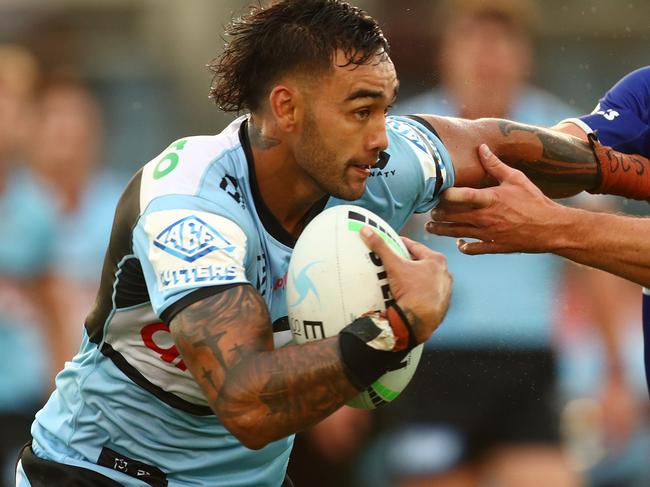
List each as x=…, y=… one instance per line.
x=296, y=386
x=207, y=323
x=207, y=376
x=212, y=342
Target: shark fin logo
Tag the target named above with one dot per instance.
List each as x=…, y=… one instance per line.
x=304, y=285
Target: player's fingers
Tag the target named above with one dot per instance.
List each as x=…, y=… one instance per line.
x=480, y=248
x=449, y=229
x=493, y=165
x=468, y=216
x=476, y=198
x=420, y=251
x=377, y=244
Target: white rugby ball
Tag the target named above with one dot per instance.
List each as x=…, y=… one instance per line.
x=334, y=278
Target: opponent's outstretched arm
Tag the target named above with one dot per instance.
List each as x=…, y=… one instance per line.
x=516, y=217
x=261, y=394
x=560, y=164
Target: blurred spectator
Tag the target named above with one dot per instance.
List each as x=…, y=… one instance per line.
x=484, y=64
x=66, y=158
x=481, y=409
x=27, y=332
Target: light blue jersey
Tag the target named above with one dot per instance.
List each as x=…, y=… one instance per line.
x=190, y=222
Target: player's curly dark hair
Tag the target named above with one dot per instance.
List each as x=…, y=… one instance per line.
x=290, y=35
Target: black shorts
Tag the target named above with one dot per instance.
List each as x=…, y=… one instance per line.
x=482, y=398
x=45, y=473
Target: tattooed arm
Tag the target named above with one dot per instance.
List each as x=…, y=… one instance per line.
x=516, y=217
x=259, y=394
x=560, y=164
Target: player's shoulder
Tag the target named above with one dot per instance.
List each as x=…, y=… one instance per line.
x=182, y=168
x=637, y=79
x=412, y=129
x=632, y=91
x=413, y=135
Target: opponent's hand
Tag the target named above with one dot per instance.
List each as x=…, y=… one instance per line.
x=514, y=216
x=421, y=287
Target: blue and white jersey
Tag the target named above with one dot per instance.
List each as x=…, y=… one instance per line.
x=622, y=120
x=189, y=222
x=622, y=117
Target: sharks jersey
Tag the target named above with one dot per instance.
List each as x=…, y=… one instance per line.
x=188, y=223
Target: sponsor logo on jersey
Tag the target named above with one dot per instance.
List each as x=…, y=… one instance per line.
x=379, y=169
x=280, y=282
x=608, y=114
x=198, y=275
x=230, y=185
x=191, y=238
x=408, y=132
x=428, y=153
x=260, y=283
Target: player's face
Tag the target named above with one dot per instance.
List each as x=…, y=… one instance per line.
x=344, y=127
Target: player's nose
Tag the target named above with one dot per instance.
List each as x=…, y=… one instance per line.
x=378, y=138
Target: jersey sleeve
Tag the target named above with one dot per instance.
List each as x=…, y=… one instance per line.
x=414, y=141
x=189, y=248
x=622, y=117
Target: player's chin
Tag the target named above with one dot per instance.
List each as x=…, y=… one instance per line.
x=352, y=191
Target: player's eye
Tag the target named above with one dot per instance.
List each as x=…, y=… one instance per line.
x=362, y=114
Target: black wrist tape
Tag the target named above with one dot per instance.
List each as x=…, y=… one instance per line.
x=364, y=364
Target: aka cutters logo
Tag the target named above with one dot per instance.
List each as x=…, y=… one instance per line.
x=190, y=239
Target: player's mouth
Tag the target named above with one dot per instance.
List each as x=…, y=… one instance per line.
x=362, y=169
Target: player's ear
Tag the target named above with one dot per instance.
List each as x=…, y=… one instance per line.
x=284, y=105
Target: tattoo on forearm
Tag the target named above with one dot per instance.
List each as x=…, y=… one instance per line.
x=626, y=163
x=562, y=155
x=295, y=386
x=258, y=139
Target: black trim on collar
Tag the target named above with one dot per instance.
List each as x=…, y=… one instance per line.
x=268, y=219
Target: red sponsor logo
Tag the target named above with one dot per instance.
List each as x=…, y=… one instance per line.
x=171, y=354
x=280, y=282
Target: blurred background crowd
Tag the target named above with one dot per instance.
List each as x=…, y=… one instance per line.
x=535, y=377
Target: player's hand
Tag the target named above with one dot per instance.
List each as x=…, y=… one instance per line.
x=421, y=287
x=511, y=217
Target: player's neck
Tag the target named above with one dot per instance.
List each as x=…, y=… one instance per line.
x=286, y=190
